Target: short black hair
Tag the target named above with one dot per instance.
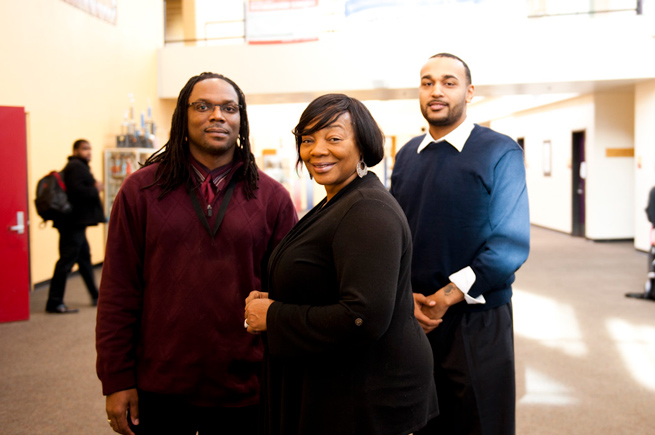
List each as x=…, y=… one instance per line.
x=452, y=56
x=325, y=110
x=78, y=143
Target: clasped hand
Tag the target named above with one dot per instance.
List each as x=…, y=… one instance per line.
x=257, y=304
x=429, y=310
x=427, y=313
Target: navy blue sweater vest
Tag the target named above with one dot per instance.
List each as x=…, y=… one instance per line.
x=467, y=208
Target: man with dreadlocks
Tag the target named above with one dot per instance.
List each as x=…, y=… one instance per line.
x=189, y=237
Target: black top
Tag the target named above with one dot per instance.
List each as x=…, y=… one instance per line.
x=344, y=352
x=82, y=194
x=650, y=209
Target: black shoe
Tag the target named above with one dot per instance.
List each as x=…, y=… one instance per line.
x=94, y=302
x=640, y=296
x=61, y=309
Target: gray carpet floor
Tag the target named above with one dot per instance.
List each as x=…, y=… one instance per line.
x=585, y=354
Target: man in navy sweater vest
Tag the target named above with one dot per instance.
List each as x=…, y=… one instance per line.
x=462, y=187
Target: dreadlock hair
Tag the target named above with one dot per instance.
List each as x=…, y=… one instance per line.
x=173, y=170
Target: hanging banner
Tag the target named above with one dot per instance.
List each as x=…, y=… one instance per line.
x=395, y=6
x=106, y=10
x=281, y=21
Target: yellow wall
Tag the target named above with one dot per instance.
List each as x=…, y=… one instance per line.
x=73, y=73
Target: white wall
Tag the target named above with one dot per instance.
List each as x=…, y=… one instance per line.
x=607, y=120
x=550, y=196
x=644, y=159
x=610, y=180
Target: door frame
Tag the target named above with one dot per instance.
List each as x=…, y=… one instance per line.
x=578, y=183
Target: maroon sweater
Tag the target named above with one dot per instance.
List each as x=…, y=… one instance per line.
x=170, y=313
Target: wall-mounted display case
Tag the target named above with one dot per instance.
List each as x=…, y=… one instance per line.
x=119, y=163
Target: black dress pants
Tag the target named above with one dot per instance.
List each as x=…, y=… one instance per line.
x=73, y=248
x=474, y=374
x=163, y=414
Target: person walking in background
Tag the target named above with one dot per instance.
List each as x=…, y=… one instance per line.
x=650, y=214
x=83, y=194
x=344, y=353
x=190, y=235
x=649, y=286
x=650, y=207
x=463, y=189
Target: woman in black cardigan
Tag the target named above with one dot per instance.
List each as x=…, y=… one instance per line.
x=344, y=352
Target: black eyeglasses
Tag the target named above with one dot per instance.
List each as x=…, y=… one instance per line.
x=205, y=106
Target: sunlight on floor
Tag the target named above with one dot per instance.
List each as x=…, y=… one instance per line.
x=542, y=390
x=551, y=323
x=636, y=345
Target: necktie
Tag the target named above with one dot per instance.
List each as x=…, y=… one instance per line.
x=207, y=188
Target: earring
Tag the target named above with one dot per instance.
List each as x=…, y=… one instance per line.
x=362, y=169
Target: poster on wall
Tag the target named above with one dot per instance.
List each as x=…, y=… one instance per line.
x=106, y=10
x=281, y=21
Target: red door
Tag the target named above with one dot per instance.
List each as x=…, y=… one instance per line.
x=14, y=252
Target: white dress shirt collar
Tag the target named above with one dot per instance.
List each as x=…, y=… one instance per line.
x=457, y=138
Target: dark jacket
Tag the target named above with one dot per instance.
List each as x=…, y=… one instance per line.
x=345, y=354
x=650, y=209
x=82, y=194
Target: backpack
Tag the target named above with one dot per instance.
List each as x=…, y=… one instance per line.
x=51, y=197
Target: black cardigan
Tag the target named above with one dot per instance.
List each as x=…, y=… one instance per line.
x=344, y=352
x=650, y=208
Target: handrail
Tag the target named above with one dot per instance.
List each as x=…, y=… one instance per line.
x=638, y=9
x=217, y=38
x=220, y=38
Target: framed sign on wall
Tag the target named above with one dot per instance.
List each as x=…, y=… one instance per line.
x=547, y=158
